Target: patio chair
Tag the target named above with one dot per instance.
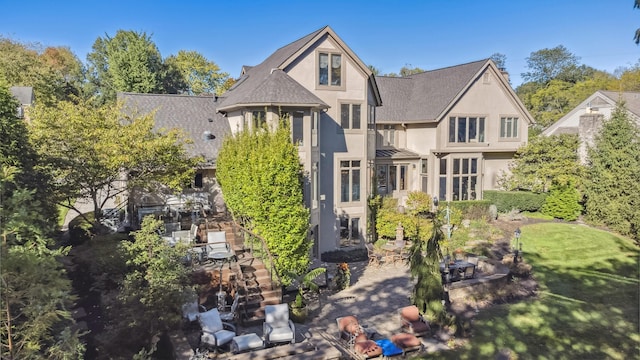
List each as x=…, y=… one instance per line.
x=374, y=258
x=231, y=315
x=351, y=332
x=215, y=332
x=217, y=244
x=413, y=322
x=277, y=327
x=407, y=342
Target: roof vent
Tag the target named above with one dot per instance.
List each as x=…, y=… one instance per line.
x=207, y=135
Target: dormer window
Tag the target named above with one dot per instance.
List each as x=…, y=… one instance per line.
x=330, y=69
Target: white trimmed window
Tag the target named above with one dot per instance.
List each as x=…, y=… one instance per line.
x=388, y=135
x=349, y=180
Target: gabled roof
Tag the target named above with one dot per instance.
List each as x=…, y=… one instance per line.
x=196, y=115
x=427, y=96
x=24, y=94
x=631, y=103
x=259, y=83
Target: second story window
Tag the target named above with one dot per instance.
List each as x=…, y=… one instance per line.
x=466, y=129
x=350, y=116
x=330, y=69
x=509, y=127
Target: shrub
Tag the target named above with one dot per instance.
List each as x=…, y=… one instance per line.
x=563, y=203
x=473, y=209
x=506, y=201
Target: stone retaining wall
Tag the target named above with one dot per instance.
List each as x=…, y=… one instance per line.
x=491, y=275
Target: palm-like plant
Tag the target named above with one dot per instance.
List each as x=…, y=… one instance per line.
x=306, y=282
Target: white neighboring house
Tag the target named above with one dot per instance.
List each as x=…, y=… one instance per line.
x=586, y=119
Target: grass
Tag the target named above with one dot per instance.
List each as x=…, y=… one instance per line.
x=588, y=306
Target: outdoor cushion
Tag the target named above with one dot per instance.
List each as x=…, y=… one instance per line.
x=210, y=321
x=388, y=347
x=221, y=337
x=404, y=340
x=277, y=315
x=349, y=324
x=281, y=334
x=367, y=347
x=410, y=313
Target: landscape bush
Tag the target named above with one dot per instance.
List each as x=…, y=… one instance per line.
x=506, y=201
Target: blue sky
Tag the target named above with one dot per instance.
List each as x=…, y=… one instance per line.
x=429, y=34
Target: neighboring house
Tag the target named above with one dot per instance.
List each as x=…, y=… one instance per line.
x=197, y=117
x=586, y=119
x=447, y=132
x=26, y=97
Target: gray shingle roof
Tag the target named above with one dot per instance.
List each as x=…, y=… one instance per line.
x=24, y=94
x=255, y=76
x=631, y=100
x=195, y=115
x=424, y=96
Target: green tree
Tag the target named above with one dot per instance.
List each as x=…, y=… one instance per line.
x=542, y=162
x=612, y=185
x=151, y=295
x=55, y=73
x=88, y=150
x=128, y=62
x=197, y=74
x=548, y=64
x=261, y=178
x=500, y=60
x=34, y=322
x=424, y=264
x=636, y=37
x=563, y=202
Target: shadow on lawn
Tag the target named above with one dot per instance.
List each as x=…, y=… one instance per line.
x=583, y=313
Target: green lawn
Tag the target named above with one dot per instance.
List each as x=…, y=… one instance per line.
x=588, y=306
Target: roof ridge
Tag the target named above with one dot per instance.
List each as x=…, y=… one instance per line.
x=449, y=67
x=173, y=95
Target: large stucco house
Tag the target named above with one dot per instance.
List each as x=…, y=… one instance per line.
x=447, y=132
x=586, y=119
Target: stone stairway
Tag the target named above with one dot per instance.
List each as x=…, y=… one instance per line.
x=252, y=278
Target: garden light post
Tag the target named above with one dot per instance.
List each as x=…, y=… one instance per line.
x=517, y=246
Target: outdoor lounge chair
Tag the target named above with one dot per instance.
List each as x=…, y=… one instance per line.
x=413, y=322
x=350, y=331
x=215, y=332
x=407, y=342
x=277, y=327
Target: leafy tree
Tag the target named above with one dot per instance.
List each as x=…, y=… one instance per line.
x=88, y=150
x=374, y=70
x=261, y=178
x=34, y=320
x=542, y=162
x=612, y=185
x=198, y=75
x=129, y=62
x=548, y=64
x=424, y=265
x=154, y=288
x=55, y=73
x=500, y=60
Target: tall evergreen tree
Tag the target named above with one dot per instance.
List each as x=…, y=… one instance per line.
x=612, y=188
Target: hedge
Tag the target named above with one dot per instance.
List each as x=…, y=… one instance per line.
x=506, y=201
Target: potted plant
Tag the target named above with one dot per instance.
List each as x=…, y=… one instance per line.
x=343, y=276
x=298, y=308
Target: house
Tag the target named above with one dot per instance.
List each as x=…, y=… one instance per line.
x=197, y=117
x=586, y=118
x=26, y=98
x=448, y=132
